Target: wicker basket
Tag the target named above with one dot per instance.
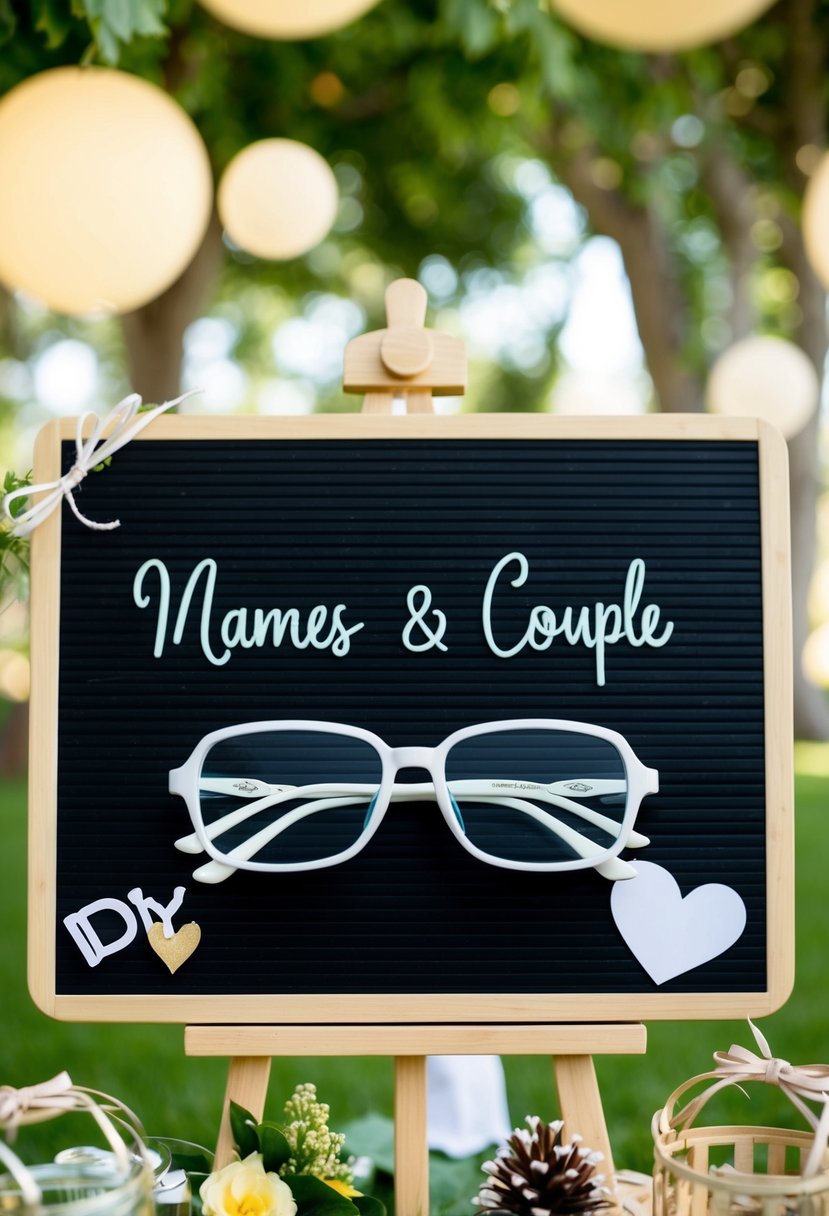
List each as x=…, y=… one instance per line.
x=760, y=1171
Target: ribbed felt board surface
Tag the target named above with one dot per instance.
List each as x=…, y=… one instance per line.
x=299, y=522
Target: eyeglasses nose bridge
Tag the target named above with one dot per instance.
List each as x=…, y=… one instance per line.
x=413, y=757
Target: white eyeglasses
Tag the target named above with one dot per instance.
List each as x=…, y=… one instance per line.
x=318, y=792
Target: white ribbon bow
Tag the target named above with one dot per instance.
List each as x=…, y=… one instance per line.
x=122, y=423
x=34, y=1102
x=797, y=1082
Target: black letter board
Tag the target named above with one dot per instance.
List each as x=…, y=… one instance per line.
x=430, y=574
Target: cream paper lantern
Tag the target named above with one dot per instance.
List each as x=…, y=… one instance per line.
x=659, y=25
x=107, y=190
x=816, y=220
x=767, y=378
x=277, y=199
x=815, y=657
x=288, y=18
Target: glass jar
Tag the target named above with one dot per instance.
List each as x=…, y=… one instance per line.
x=79, y=1188
x=83, y=1181
x=189, y=1165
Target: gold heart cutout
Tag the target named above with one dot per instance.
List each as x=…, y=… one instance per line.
x=175, y=950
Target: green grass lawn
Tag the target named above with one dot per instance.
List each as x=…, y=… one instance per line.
x=176, y=1096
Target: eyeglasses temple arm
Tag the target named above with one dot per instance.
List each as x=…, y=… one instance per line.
x=282, y=793
x=579, y=844
x=463, y=789
x=238, y=787
x=217, y=871
x=633, y=840
x=595, y=787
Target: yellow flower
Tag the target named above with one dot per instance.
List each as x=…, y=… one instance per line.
x=344, y=1188
x=244, y=1189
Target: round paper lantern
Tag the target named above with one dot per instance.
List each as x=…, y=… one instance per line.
x=815, y=657
x=288, y=18
x=766, y=378
x=659, y=25
x=816, y=220
x=277, y=199
x=107, y=190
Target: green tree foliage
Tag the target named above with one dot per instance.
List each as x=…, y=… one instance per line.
x=395, y=105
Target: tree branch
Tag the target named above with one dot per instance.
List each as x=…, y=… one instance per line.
x=730, y=191
x=807, y=56
x=154, y=333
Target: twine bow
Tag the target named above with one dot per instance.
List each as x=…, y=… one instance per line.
x=109, y=434
x=34, y=1102
x=797, y=1082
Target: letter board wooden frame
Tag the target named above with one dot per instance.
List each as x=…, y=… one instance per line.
x=356, y=511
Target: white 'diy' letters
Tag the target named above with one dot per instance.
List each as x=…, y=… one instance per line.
x=89, y=941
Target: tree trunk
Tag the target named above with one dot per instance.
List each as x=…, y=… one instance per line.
x=661, y=315
x=811, y=712
x=811, y=709
x=14, y=741
x=805, y=110
x=734, y=205
x=154, y=334
x=661, y=312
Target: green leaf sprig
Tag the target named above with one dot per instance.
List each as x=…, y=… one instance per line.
x=14, y=550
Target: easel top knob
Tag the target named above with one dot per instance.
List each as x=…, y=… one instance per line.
x=405, y=356
x=406, y=347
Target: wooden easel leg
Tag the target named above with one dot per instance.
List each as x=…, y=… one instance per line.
x=419, y=401
x=581, y=1108
x=411, y=1147
x=377, y=403
x=247, y=1084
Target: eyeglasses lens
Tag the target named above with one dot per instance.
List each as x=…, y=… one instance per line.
x=542, y=796
x=287, y=797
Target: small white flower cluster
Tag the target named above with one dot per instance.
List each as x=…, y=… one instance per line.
x=315, y=1149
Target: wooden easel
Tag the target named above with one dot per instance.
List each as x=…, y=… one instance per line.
x=406, y=360
x=251, y=1049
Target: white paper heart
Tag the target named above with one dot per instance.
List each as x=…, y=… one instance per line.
x=670, y=935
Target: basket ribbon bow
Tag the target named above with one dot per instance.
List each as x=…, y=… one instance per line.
x=109, y=434
x=809, y=1081
x=35, y=1101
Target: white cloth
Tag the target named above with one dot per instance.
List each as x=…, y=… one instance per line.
x=467, y=1104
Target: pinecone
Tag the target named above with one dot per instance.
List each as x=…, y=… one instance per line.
x=535, y=1174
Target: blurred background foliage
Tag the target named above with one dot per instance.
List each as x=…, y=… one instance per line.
x=452, y=127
